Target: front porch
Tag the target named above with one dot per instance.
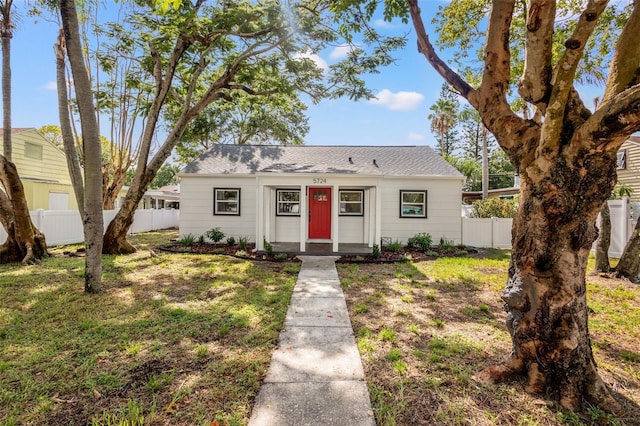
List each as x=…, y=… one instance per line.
x=322, y=249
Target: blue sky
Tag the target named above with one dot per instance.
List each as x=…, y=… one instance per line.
x=398, y=116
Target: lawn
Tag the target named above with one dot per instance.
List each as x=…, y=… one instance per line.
x=175, y=339
x=424, y=329
x=186, y=339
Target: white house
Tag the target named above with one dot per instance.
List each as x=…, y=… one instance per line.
x=321, y=194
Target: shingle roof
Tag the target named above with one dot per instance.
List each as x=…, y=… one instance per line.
x=369, y=160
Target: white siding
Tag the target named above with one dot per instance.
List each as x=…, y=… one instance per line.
x=287, y=229
x=351, y=229
x=196, y=216
x=443, y=209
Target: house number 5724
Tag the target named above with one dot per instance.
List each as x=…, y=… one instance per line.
x=319, y=180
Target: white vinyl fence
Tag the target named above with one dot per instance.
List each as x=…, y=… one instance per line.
x=496, y=232
x=65, y=226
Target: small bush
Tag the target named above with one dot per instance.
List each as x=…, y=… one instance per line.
x=446, y=244
x=494, y=207
x=242, y=242
x=422, y=241
x=376, y=251
x=215, y=235
x=187, y=240
x=268, y=248
x=394, y=246
x=231, y=241
x=281, y=257
x=201, y=239
x=242, y=253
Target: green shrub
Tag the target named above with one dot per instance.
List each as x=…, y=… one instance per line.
x=268, y=248
x=422, y=241
x=446, y=244
x=394, y=246
x=494, y=207
x=376, y=251
x=187, y=240
x=242, y=242
x=201, y=239
x=215, y=235
x=281, y=257
x=231, y=241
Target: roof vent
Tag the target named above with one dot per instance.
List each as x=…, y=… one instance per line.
x=375, y=163
x=350, y=160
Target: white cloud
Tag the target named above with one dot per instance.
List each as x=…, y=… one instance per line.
x=400, y=101
x=340, y=52
x=381, y=23
x=414, y=137
x=51, y=85
x=321, y=63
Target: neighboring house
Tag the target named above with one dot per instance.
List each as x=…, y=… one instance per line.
x=166, y=197
x=43, y=171
x=629, y=166
x=330, y=194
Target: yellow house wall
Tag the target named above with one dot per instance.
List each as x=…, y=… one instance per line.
x=44, y=176
x=630, y=176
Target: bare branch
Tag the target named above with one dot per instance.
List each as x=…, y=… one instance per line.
x=564, y=74
x=535, y=84
x=614, y=120
x=426, y=48
x=624, y=71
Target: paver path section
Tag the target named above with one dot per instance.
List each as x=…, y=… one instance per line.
x=315, y=376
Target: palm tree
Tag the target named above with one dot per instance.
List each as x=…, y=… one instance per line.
x=443, y=119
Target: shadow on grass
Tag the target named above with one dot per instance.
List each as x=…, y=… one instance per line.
x=425, y=329
x=176, y=339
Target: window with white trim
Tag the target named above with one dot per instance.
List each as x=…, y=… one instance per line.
x=622, y=159
x=288, y=202
x=226, y=201
x=351, y=202
x=413, y=204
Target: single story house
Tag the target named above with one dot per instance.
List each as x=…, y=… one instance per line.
x=362, y=195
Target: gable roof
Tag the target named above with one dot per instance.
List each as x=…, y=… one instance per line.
x=367, y=160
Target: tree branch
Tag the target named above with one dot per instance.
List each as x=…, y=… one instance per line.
x=564, y=74
x=426, y=48
x=614, y=120
x=535, y=83
x=624, y=69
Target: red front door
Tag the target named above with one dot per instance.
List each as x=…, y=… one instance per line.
x=320, y=213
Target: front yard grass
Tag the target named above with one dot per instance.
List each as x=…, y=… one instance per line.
x=424, y=329
x=175, y=339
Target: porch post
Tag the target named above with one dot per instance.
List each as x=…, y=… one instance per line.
x=304, y=218
x=260, y=216
x=335, y=210
x=371, y=214
x=377, y=235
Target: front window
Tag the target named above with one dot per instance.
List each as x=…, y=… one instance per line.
x=413, y=204
x=226, y=201
x=288, y=201
x=351, y=203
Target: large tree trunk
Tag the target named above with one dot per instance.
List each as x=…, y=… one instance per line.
x=545, y=296
x=604, y=240
x=25, y=243
x=93, y=221
x=629, y=264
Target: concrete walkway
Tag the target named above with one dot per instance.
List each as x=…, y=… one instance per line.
x=315, y=376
